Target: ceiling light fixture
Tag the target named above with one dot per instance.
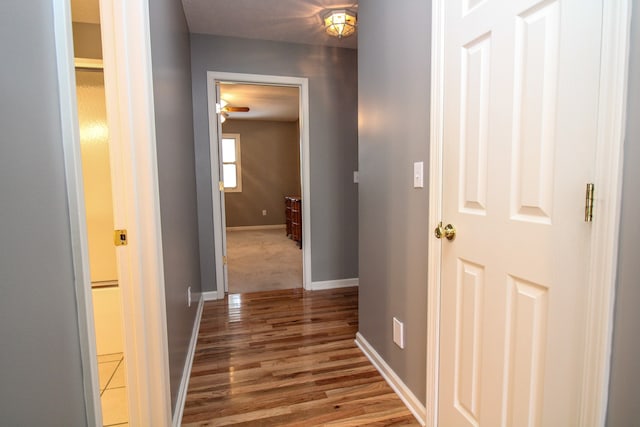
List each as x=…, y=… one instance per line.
x=340, y=23
x=225, y=109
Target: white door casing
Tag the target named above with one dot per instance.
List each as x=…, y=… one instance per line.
x=223, y=216
x=126, y=50
x=521, y=120
x=213, y=78
x=131, y=122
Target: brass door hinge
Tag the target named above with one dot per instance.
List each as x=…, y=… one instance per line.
x=120, y=237
x=221, y=185
x=224, y=260
x=588, y=204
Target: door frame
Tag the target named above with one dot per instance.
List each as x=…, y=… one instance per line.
x=604, y=239
x=302, y=84
x=131, y=122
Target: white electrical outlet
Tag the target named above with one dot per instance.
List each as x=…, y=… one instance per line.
x=189, y=296
x=264, y=212
x=398, y=333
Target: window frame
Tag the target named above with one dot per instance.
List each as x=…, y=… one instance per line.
x=237, y=163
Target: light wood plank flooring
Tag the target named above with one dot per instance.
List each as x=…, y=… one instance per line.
x=286, y=358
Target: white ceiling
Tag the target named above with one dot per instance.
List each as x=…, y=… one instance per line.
x=279, y=103
x=294, y=21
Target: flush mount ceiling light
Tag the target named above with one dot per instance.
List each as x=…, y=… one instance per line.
x=340, y=23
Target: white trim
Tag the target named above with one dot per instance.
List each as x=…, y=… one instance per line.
x=210, y=296
x=216, y=203
x=604, y=243
x=128, y=85
x=334, y=284
x=188, y=364
x=608, y=183
x=404, y=393
x=258, y=227
x=435, y=212
x=75, y=199
x=131, y=120
x=303, y=84
x=89, y=63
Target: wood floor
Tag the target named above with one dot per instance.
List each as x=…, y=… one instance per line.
x=286, y=358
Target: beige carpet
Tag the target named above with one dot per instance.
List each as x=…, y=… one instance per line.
x=262, y=260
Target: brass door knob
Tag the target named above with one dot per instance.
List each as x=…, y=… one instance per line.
x=448, y=231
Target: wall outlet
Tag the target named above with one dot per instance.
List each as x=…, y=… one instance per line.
x=398, y=333
x=264, y=212
x=189, y=296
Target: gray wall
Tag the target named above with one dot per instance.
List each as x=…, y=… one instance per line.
x=270, y=154
x=332, y=74
x=393, y=75
x=40, y=362
x=624, y=397
x=87, y=40
x=176, y=175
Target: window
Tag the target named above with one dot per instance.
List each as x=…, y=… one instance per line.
x=231, y=162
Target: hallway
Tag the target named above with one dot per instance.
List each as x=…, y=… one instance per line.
x=286, y=357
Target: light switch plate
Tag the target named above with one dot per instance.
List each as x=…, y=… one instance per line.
x=398, y=333
x=418, y=175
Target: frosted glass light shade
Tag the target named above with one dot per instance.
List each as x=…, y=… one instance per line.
x=340, y=23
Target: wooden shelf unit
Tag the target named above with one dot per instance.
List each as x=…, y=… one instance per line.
x=293, y=215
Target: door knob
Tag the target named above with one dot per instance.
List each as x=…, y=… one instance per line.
x=448, y=231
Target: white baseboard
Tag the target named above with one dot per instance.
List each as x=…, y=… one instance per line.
x=210, y=295
x=188, y=363
x=258, y=227
x=334, y=284
x=408, y=398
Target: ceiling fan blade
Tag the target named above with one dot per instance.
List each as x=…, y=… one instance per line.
x=237, y=109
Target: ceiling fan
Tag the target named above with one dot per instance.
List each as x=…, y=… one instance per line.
x=226, y=109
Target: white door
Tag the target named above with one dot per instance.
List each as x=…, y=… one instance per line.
x=520, y=113
x=223, y=231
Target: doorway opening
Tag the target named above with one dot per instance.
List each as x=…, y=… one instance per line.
x=129, y=107
x=260, y=154
x=105, y=289
x=106, y=292
x=259, y=141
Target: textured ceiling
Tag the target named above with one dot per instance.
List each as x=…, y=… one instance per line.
x=294, y=21
x=279, y=103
